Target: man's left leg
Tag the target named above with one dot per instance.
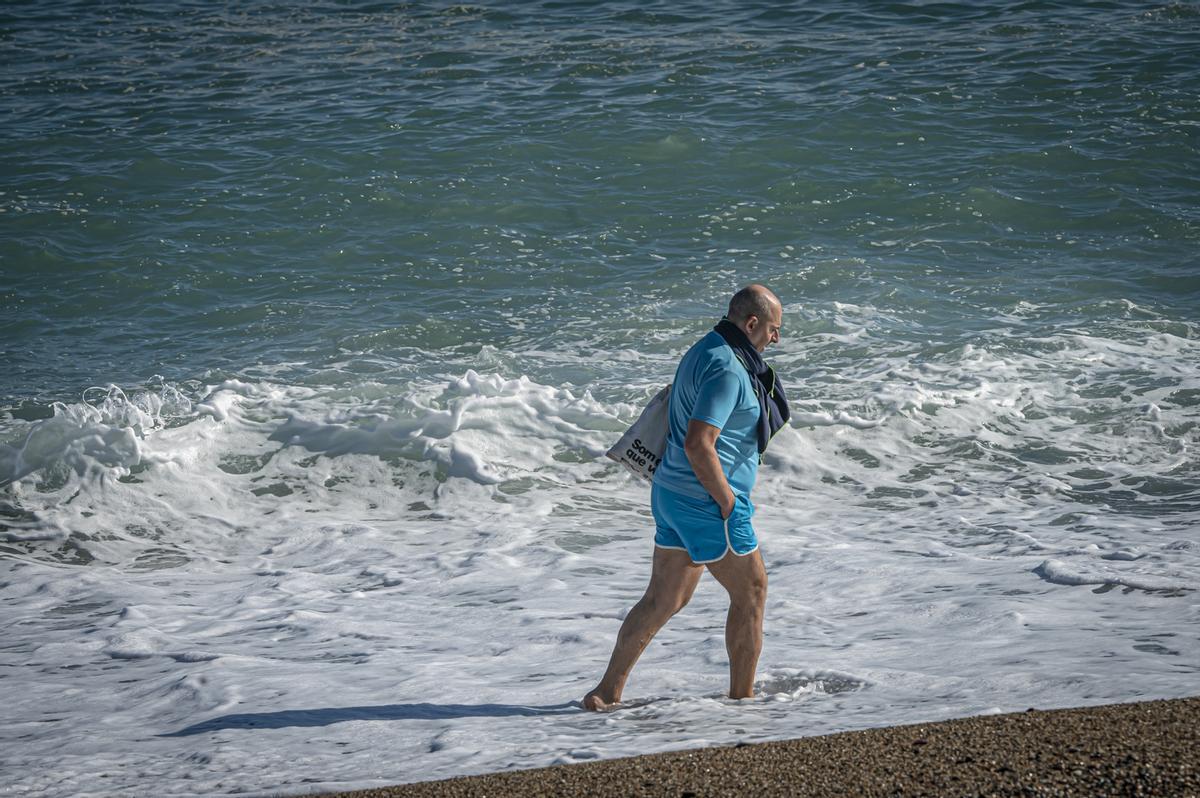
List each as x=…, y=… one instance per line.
x=745, y=578
x=673, y=579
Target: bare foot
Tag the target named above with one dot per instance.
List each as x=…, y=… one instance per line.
x=594, y=702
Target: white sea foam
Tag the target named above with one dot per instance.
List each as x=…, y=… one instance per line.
x=415, y=583
x=1060, y=573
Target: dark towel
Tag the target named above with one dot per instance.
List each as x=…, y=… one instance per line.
x=772, y=402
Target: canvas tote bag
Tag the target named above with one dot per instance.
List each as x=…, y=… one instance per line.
x=642, y=447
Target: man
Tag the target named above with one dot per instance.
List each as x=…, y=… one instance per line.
x=725, y=405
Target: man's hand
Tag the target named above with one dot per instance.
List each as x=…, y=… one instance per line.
x=727, y=511
x=700, y=446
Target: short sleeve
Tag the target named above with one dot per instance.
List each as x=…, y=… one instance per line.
x=717, y=398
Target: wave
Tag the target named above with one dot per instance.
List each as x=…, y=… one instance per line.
x=1060, y=573
x=937, y=437
x=102, y=431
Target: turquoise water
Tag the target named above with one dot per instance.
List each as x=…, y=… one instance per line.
x=317, y=322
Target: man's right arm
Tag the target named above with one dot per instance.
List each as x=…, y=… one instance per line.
x=700, y=446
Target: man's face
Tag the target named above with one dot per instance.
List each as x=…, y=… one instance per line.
x=764, y=332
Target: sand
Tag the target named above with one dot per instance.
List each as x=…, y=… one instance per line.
x=1142, y=749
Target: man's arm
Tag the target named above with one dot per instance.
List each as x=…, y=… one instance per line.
x=700, y=445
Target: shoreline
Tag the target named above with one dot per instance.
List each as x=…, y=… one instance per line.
x=1147, y=748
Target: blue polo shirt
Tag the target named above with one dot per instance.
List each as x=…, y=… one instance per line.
x=711, y=385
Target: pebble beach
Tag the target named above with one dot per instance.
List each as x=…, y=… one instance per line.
x=1148, y=748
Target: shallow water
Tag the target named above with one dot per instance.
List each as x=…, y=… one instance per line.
x=318, y=322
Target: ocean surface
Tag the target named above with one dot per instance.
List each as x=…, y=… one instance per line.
x=317, y=320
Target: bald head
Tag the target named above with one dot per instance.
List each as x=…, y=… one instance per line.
x=753, y=300
x=757, y=312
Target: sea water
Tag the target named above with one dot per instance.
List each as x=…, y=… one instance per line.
x=318, y=319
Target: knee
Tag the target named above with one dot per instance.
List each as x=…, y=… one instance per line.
x=681, y=601
x=669, y=603
x=753, y=593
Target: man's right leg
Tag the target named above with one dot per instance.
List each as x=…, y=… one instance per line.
x=673, y=579
x=745, y=579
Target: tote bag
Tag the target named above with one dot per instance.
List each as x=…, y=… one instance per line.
x=642, y=447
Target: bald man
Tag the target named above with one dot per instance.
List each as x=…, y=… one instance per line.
x=725, y=404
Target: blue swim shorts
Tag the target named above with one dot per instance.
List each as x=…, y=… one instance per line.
x=696, y=526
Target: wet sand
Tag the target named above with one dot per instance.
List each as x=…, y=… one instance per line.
x=1143, y=749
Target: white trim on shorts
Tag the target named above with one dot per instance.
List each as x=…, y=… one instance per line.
x=728, y=547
